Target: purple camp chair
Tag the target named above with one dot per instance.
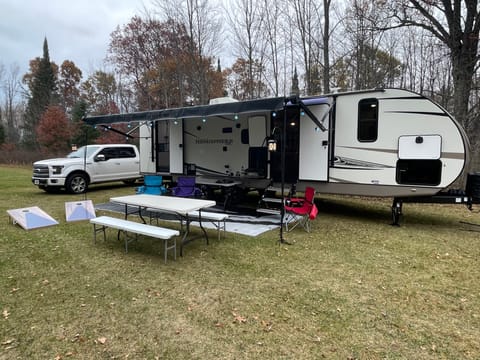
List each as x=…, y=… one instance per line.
x=186, y=187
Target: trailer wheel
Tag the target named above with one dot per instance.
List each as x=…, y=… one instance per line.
x=76, y=183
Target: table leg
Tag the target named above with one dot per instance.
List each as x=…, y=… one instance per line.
x=201, y=226
x=140, y=214
x=187, y=230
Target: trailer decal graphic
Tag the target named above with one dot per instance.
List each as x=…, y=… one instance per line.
x=388, y=151
x=348, y=163
x=450, y=155
x=214, y=141
x=418, y=113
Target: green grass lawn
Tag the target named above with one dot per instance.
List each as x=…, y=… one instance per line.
x=353, y=288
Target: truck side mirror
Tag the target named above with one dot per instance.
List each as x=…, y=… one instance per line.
x=100, y=157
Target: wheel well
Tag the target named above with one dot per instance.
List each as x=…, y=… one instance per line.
x=79, y=172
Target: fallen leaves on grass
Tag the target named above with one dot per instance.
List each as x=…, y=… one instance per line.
x=78, y=337
x=60, y=357
x=267, y=325
x=8, y=342
x=5, y=313
x=102, y=340
x=239, y=319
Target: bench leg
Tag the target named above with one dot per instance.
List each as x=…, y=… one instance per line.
x=221, y=226
x=171, y=247
x=128, y=239
x=95, y=230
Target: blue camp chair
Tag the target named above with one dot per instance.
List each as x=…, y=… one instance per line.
x=152, y=184
x=186, y=187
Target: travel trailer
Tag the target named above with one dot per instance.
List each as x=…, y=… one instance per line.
x=382, y=142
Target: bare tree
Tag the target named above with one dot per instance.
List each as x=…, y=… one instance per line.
x=456, y=24
x=11, y=89
x=363, y=21
x=203, y=27
x=272, y=12
x=326, y=45
x=308, y=27
x=246, y=21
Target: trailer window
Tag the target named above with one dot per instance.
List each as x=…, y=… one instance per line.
x=367, y=130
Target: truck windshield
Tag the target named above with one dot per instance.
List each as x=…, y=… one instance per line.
x=80, y=153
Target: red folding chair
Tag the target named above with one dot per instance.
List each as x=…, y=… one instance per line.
x=300, y=211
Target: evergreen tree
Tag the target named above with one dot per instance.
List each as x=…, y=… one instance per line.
x=43, y=94
x=83, y=134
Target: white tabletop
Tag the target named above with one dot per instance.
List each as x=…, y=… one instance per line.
x=175, y=204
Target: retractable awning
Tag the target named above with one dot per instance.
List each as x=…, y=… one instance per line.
x=231, y=108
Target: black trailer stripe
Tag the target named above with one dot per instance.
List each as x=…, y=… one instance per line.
x=418, y=113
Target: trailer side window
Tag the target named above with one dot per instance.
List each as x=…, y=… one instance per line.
x=367, y=130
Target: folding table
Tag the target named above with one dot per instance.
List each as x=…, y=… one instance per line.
x=179, y=206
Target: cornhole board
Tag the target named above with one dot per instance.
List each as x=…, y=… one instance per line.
x=79, y=210
x=31, y=217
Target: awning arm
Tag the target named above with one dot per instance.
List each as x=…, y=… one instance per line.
x=295, y=100
x=109, y=128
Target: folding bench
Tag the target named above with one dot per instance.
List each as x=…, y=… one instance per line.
x=126, y=226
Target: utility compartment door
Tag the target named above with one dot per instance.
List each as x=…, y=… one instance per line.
x=419, y=147
x=314, y=146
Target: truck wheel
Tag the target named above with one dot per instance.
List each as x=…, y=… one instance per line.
x=76, y=183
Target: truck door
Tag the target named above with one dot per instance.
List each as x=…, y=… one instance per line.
x=313, y=154
x=129, y=163
x=120, y=163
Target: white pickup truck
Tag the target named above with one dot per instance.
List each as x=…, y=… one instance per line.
x=88, y=165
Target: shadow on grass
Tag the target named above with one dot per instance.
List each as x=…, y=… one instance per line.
x=374, y=210
x=369, y=209
x=96, y=188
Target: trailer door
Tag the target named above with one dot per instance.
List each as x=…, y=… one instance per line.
x=147, y=158
x=313, y=164
x=176, y=146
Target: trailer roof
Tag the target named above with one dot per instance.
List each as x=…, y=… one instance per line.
x=230, y=108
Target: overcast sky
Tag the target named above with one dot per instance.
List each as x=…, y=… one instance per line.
x=76, y=30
